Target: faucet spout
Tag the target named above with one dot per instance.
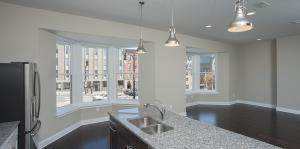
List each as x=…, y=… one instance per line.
x=161, y=110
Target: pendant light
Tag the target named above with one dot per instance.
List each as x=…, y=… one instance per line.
x=141, y=48
x=240, y=22
x=172, y=41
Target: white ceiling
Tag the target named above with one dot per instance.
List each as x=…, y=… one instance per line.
x=190, y=15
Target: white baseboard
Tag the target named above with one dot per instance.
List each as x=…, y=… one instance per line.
x=255, y=103
x=69, y=129
x=210, y=103
x=227, y=103
x=281, y=109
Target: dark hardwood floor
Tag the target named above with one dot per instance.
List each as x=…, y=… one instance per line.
x=278, y=128
x=94, y=136
x=265, y=124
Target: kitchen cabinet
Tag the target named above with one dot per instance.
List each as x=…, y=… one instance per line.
x=122, y=138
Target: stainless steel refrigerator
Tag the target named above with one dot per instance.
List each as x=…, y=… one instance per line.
x=20, y=99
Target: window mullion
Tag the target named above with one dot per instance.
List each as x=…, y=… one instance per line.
x=196, y=72
x=112, y=64
x=76, y=72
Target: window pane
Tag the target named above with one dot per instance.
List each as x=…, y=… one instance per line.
x=63, y=75
x=188, y=73
x=127, y=77
x=208, y=72
x=94, y=74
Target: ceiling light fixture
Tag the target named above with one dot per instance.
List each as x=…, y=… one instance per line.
x=208, y=26
x=172, y=40
x=258, y=39
x=240, y=22
x=141, y=48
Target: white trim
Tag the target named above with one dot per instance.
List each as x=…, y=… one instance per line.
x=69, y=129
x=210, y=103
x=192, y=92
x=255, y=103
x=226, y=103
x=281, y=109
x=183, y=114
x=62, y=111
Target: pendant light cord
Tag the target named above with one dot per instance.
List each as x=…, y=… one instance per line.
x=141, y=18
x=172, y=12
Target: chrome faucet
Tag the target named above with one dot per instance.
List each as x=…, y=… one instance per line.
x=162, y=110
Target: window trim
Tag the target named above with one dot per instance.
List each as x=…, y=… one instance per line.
x=76, y=97
x=62, y=42
x=196, y=70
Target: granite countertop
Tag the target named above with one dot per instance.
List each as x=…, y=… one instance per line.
x=187, y=133
x=6, y=129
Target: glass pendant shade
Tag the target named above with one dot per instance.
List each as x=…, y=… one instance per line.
x=141, y=49
x=172, y=41
x=240, y=22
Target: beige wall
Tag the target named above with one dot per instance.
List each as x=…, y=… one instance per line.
x=22, y=40
x=288, y=72
x=255, y=74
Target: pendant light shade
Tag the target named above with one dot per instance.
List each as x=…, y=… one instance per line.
x=240, y=22
x=172, y=40
x=141, y=49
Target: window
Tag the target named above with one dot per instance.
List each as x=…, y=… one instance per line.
x=127, y=87
x=188, y=74
x=94, y=74
x=63, y=75
x=207, y=72
x=82, y=76
x=201, y=72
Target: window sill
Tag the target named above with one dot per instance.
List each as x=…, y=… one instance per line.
x=202, y=92
x=65, y=110
x=125, y=102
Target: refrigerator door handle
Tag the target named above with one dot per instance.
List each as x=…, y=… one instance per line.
x=37, y=114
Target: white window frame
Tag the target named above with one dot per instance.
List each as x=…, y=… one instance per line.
x=66, y=42
x=196, y=77
x=77, y=103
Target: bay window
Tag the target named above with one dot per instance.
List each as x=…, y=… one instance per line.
x=201, y=73
x=94, y=78
x=63, y=74
x=127, y=76
x=88, y=75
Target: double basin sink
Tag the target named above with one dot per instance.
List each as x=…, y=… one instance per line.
x=150, y=125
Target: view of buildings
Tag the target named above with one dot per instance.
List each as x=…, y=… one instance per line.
x=94, y=75
x=205, y=73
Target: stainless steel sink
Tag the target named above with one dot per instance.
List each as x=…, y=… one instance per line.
x=142, y=122
x=150, y=125
x=156, y=129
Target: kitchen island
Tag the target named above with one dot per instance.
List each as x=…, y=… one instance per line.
x=9, y=135
x=186, y=133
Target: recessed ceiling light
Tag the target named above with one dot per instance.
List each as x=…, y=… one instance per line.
x=251, y=13
x=208, y=26
x=258, y=39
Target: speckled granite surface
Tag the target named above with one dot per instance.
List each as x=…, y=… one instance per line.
x=6, y=129
x=187, y=133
